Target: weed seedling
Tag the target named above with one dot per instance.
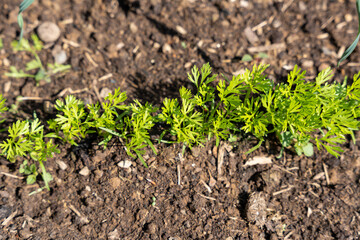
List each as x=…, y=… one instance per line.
x=42, y=73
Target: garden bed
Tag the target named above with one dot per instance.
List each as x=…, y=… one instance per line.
x=146, y=48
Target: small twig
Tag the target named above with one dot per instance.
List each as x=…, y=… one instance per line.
x=96, y=90
x=33, y=98
x=9, y=218
x=82, y=218
x=63, y=92
x=285, y=170
x=178, y=175
x=326, y=174
x=206, y=186
x=210, y=198
x=286, y=5
x=71, y=43
x=105, y=77
x=87, y=55
x=260, y=25
x=11, y=175
x=282, y=191
x=264, y=48
x=220, y=159
x=289, y=235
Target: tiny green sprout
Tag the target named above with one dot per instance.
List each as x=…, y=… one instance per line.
x=23, y=5
x=247, y=58
x=35, y=64
x=153, y=203
x=1, y=44
x=352, y=47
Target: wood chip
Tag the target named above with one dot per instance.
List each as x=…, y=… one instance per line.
x=258, y=160
x=322, y=36
x=251, y=36
x=105, y=77
x=206, y=186
x=178, y=175
x=259, y=26
x=309, y=212
x=286, y=5
x=91, y=60
x=181, y=30
x=85, y=171
x=82, y=217
x=11, y=175
x=265, y=48
x=9, y=218
x=282, y=191
x=71, y=43
x=62, y=165
x=326, y=174
x=220, y=159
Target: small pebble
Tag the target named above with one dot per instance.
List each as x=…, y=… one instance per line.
x=181, y=30
x=6, y=62
x=307, y=64
x=120, y=45
x=115, y=182
x=125, y=164
x=166, y=48
x=152, y=228
x=62, y=165
x=323, y=66
x=348, y=17
x=188, y=65
x=133, y=28
x=7, y=86
x=85, y=171
x=59, y=55
x=156, y=45
x=48, y=32
x=104, y=92
x=114, y=235
x=302, y=6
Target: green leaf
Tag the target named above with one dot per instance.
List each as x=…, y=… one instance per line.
x=38, y=45
x=353, y=45
x=40, y=75
x=308, y=149
x=47, y=178
x=24, y=5
x=33, y=64
x=112, y=132
x=31, y=179
x=262, y=55
x=56, y=68
x=18, y=74
x=247, y=58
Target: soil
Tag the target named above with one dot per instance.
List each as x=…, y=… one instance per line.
x=146, y=48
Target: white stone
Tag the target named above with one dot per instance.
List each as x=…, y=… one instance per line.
x=85, y=171
x=48, y=32
x=125, y=164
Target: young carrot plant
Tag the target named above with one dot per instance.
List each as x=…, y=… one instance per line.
x=133, y=129
x=73, y=122
x=26, y=140
x=107, y=116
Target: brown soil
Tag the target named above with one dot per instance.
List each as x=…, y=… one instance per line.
x=148, y=47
